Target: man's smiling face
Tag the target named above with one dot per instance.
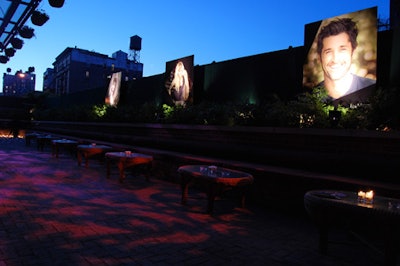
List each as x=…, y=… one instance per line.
x=336, y=56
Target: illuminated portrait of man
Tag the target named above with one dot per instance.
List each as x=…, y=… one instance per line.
x=342, y=59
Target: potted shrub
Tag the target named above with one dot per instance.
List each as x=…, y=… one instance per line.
x=26, y=32
x=56, y=3
x=17, y=43
x=38, y=17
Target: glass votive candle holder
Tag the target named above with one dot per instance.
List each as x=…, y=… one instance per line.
x=212, y=170
x=361, y=196
x=366, y=197
x=203, y=169
x=369, y=197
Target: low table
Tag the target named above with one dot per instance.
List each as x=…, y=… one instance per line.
x=30, y=136
x=43, y=140
x=216, y=179
x=335, y=208
x=90, y=150
x=125, y=160
x=67, y=143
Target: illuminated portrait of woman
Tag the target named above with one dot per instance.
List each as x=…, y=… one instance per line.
x=179, y=88
x=113, y=89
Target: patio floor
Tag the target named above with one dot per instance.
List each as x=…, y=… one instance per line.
x=54, y=212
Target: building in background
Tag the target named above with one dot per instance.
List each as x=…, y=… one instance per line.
x=19, y=84
x=78, y=70
x=49, y=81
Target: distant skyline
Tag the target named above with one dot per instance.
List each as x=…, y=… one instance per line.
x=216, y=30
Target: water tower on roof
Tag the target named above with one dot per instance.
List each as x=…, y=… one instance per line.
x=135, y=46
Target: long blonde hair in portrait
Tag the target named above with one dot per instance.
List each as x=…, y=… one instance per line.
x=180, y=81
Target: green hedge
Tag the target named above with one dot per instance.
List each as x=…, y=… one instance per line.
x=306, y=110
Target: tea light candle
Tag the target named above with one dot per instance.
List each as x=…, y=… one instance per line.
x=361, y=194
x=366, y=197
x=369, y=195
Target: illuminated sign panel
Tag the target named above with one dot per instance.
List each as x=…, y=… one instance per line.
x=342, y=57
x=179, y=81
x=114, y=87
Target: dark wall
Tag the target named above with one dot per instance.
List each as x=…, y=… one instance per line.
x=147, y=89
x=247, y=79
x=395, y=58
x=251, y=79
x=385, y=51
x=14, y=107
x=86, y=97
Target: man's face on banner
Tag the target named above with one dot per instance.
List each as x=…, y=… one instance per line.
x=336, y=56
